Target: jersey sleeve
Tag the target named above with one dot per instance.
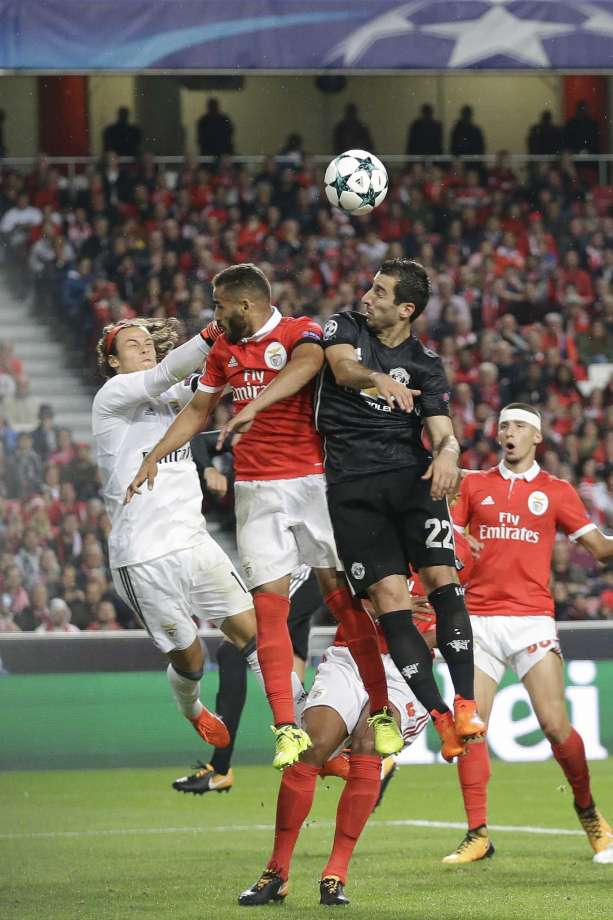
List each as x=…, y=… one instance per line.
x=183, y=392
x=571, y=513
x=125, y=390
x=340, y=329
x=434, y=386
x=213, y=377
x=305, y=331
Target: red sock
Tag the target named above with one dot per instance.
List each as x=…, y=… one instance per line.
x=474, y=775
x=571, y=757
x=293, y=805
x=363, y=643
x=354, y=808
x=275, y=653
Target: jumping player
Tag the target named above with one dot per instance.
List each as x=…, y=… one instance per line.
x=164, y=563
x=282, y=517
x=514, y=511
x=387, y=494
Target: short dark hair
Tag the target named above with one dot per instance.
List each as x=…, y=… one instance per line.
x=526, y=407
x=412, y=283
x=244, y=277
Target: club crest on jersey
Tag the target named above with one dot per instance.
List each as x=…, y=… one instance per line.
x=275, y=356
x=358, y=571
x=538, y=503
x=330, y=329
x=400, y=375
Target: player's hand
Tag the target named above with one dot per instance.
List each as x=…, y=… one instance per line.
x=211, y=333
x=422, y=610
x=443, y=471
x=475, y=545
x=241, y=423
x=216, y=482
x=148, y=471
x=396, y=395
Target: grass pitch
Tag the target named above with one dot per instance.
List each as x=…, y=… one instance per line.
x=97, y=845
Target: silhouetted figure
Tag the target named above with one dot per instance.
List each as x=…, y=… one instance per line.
x=122, y=137
x=293, y=147
x=545, y=137
x=425, y=135
x=215, y=132
x=581, y=131
x=350, y=133
x=466, y=138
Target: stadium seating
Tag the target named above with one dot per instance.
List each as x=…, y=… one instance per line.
x=521, y=309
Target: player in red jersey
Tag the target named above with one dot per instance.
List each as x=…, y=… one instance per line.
x=281, y=509
x=514, y=511
x=334, y=711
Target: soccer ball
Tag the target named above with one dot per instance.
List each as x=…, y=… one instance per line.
x=356, y=181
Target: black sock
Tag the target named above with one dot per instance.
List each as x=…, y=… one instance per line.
x=230, y=701
x=412, y=657
x=454, y=637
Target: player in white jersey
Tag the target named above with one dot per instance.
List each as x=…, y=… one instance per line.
x=164, y=563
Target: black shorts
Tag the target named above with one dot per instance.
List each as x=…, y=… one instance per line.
x=384, y=522
x=305, y=598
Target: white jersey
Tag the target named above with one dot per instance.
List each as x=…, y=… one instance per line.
x=130, y=414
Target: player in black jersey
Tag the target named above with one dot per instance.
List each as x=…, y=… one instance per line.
x=387, y=493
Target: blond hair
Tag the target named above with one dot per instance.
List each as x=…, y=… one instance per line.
x=164, y=332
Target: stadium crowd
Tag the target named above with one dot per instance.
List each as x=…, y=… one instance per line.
x=521, y=309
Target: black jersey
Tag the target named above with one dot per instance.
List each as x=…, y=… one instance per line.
x=361, y=433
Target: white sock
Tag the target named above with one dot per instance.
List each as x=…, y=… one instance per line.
x=254, y=664
x=186, y=692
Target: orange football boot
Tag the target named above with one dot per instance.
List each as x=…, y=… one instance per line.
x=468, y=723
x=451, y=745
x=336, y=766
x=211, y=728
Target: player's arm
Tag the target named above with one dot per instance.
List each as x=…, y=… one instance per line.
x=129, y=389
x=192, y=419
x=350, y=372
x=305, y=362
x=599, y=544
x=443, y=471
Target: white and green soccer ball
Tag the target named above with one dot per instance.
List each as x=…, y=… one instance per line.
x=356, y=181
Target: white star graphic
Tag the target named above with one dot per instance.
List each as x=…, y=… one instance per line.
x=598, y=20
x=394, y=22
x=498, y=32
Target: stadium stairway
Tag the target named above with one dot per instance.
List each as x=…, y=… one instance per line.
x=45, y=361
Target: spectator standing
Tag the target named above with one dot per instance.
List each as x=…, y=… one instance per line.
x=544, y=137
x=581, y=131
x=28, y=557
x=215, y=132
x=350, y=133
x=17, y=599
x=121, y=137
x=22, y=407
x=466, y=137
x=44, y=436
x=425, y=134
x=26, y=471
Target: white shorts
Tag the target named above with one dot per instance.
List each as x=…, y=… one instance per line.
x=512, y=642
x=338, y=684
x=282, y=524
x=166, y=592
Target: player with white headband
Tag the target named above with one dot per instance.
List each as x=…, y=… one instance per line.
x=513, y=512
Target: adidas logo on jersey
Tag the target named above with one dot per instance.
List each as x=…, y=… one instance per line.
x=488, y=501
x=232, y=362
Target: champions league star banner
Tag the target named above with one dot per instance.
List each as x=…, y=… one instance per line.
x=132, y=35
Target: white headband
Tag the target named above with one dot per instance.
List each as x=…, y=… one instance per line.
x=520, y=415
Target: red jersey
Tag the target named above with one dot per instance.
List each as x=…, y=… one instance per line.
x=282, y=443
x=516, y=518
